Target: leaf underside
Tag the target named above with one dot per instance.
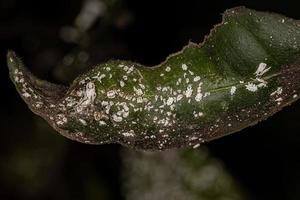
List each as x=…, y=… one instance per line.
x=246, y=70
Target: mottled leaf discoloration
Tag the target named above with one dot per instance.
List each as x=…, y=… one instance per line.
x=246, y=70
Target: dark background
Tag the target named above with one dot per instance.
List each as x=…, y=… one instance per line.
x=37, y=163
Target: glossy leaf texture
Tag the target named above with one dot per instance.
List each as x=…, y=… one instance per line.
x=246, y=70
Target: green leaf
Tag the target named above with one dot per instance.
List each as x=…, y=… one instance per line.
x=246, y=70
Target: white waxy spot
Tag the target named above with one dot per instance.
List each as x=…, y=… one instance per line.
x=126, y=108
x=279, y=99
x=26, y=95
x=99, y=78
x=125, y=68
x=295, y=96
x=189, y=91
x=184, y=67
x=125, y=77
x=251, y=87
x=232, y=90
x=193, y=138
x=88, y=98
x=170, y=101
x=122, y=84
x=282, y=21
x=138, y=91
x=125, y=114
x=178, y=81
x=83, y=122
x=277, y=92
x=262, y=69
x=128, y=134
x=102, y=123
x=197, y=78
x=262, y=84
x=199, y=97
x=179, y=97
x=153, y=136
x=111, y=94
x=65, y=120
x=130, y=70
x=61, y=119
x=117, y=118
x=142, y=86
x=168, y=69
x=39, y=104
x=196, y=146
x=16, y=79
x=104, y=103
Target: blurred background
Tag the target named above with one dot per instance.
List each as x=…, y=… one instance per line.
x=57, y=39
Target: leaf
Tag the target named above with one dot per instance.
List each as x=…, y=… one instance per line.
x=246, y=70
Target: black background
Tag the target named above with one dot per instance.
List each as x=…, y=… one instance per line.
x=264, y=158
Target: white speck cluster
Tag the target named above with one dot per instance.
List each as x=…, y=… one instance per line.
x=261, y=70
x=129, y=133
x=232, y=90
x=89, y=95
x=27, y=90
x=184, y=67
x=278, y=91
x=251, y=87
x=121, y=99
x=277, y=95
x=161, y=110
x=61, y=119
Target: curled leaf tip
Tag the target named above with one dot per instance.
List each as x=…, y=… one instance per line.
x=40, y=96
x=246, y=70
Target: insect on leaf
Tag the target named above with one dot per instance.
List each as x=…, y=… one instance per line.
x=246, y=70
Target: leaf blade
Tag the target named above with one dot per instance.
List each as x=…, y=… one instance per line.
x=245, y=71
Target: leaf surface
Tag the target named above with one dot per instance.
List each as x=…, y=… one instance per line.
x=246, y=70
